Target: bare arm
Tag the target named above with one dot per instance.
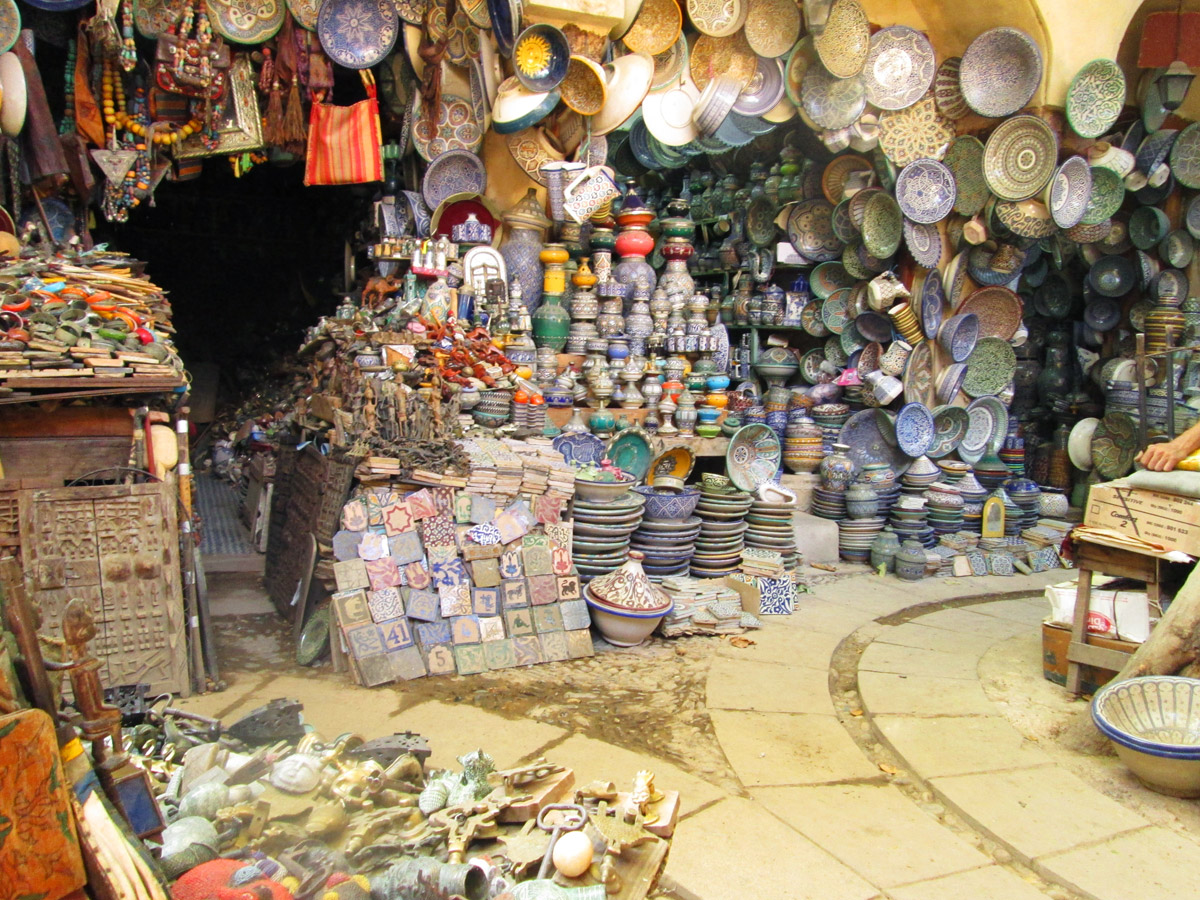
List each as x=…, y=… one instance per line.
x=1165, y=457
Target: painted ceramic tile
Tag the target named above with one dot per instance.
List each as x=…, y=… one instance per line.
x=345, y=544
x=519, y=622
x=354, y=516
x=472, y=551
x=1000, y=564
x=547, y=618
x=375, y=669
x=440, y=553
x=528, y=650
x=491, y=628
x=470, y=659
x=396, y=634
x=554, y=646
x=374, y=506
x=438, y=531
x=574, y=614
x=352, y=608
x=579, y=644
x=397, y=517
x=486, y=534
x=568, y=588
x=1043, y=559
x=406, y=547
x=485, y=572
x=443, y=500
x=383, y=573
x=430, y=634
x=483, y=509
x=373, y=546
x=548, y=508
x=364, y=640
x=486, y=600
x=543, y=589
x=385, y=496
x=407, y=664
x=510, y=564
x=449, y=574
x=520, y=511
x=439, y=660
x=560, y=561
x=423, y=605
x=511, y=527
x=560, y=534
x=351, y=575
x=421, y=505
x=385, y=604
x=465, y=629
x=500, y=654
x=455, y=601
x=417, y=575
x=978, y=562
x=514, y=593
x=778, y=596
x=537, y=561
x=462, y=508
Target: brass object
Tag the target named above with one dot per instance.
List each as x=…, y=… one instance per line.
x=239, y=127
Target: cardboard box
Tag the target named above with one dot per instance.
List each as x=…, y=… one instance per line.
x=1167, y=519
x=1056, y=640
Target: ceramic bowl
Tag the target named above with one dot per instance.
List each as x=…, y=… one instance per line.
x=1079, y=444
x=1113, y=276
x=957, y=335
x=666, y=504
x=516, y=107
x=540, y=57
x=600, y=491
x=1155, y=723
x=623, y=628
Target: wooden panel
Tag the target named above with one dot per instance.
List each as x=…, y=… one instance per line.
x=1100, y=657
x=66, y=421
x=62, y=459
x=1117, y=562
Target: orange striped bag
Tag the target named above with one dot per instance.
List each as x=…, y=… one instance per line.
x=344, y=142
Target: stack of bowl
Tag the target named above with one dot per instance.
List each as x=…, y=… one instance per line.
x=1028, y=496
x=974, y=495
x=905, y=321
x=625, y=605
x=829, y=504
x=605, y=516
x=909, y=520
x=803, y=447
x=856, y=535
x=667, y=536
x=722, y=510
x=771, y=528
x=944, y=508
x=1012, y=454
x=831, y=417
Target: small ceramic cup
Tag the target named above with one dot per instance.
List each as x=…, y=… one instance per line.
x=895, y=358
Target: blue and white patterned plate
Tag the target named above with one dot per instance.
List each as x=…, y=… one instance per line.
x=358, y=34
x=914, y=429
x=932, y=296
x=924, y=243
x=925, y=190
x=1000, y=71
x=454, y=172
x=580, y=449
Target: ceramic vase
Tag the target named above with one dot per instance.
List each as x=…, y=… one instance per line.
x=551, y=324
x=910, y=561
x=883, y=551
x=861, y=501
x=837, y=469
x=525, y=228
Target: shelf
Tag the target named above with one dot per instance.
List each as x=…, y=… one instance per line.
x=767, y=328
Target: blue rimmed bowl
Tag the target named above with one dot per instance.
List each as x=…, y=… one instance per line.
x=1154, y=722
x=669, y=504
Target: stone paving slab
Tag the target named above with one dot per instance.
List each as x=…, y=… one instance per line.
x=815, y=614
x=990, y=883
x=879, y=657
x=1150, y=864
x=875, y=830
x=767, y=687
x=966, y=621
x=959, y=745
x=1022, y=611
x=1037, y=811
x=592, y=759
x=887, y=693
x=784, y=642
x=913, y=634
x=868, y=593
x=738, y=849
x=785, y=749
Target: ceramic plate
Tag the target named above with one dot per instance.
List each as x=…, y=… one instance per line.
x=457, y=127
x=871, y=437
x=810, y=229
x=949, y=425
x=925, y=191
x=899, y=67
x=753, y=457
x=579, y=449
x=249, y=21
x=988, y=425
x=358, y=34
x=827, y=278
x=454, y=172
x=964, y=159
x=918, y=132
x=152, y=17
x=728, y=56
x=1102, y=314
x=1001, y=71
x=1106, y=196
x=834, y=175
x=1095, y=98
x=845, y=41
x=1114, y=445
x=1079, y=444
x=931, y=297
x=810, y=320
x=1020, y=157
x=676, y=463
x=772, y=26
x=540, y=56
x=1155, y=149
x=990, y=367
x=999, y=311
x=1185, y=157
x=1070, y=192
x=717, y=18
x=832, y=102
x=764, y=91
x=506, y=23
x=924, y=243
x=630, y=452
x=668, y=113
x=946, y=91
x=883, y=226
x=835, y=312
x=656, y=27
x=914, y=429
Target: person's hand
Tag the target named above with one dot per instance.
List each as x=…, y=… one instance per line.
x=1161, y=457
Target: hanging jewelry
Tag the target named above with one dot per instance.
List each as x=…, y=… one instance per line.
x=67, y=126
x=128, y=47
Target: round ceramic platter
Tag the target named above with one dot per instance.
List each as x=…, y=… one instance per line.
x=810, y=229
x=1106, y=196
x=1000, y=72
x=717, y=18
x=670, y=64
x=764, y=91
x=810, y=365
x=1102, y=314
x=772, y=26
x=457, y=127
x=656, y=27
x=871, y=437
x=730, y=57
x=1079, y=444
x=829, y=277
x=999, y=311
x=914, y=429
x=946, y=91
x=1027, y=218
x=883, y=225
x=932, y=299
x=918, y=132
x=835, y=175
x=753, y=457
x=1070, y=192
x=845, y=41
x=1114, y=445
x=835, y=312
x=1019, y=157
x=924, y=243
x=246, y=21
x=925, y=191
x=668, y=113
x=990, y=367
x=832, y=102
x=630, y=452
x=986, y=428
x=810, y=320
x=1095, y=98
x=899, y=67
x=1185, y=157
x=1155, y=148
x=919, y=375
x=949, y=425
x=358, y=34
x=579, y=449
x=964, y=159
x=454, y=172
x=540, y=58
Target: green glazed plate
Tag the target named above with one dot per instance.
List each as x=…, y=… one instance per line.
x=630, y=452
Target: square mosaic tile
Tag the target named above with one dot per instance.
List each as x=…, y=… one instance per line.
x=547, y=618
x=465, y=630
x=364, y=640
x=455, y=601
x=421, y=505
x=470, y=659
x=528, y=650
x=351, y=575
x=423, y=605
x=352, y=608
x=374, y=545
x=514, y=593
x=485, y=573
x=396, y=634
x=579, y=644
x=416, y=574
x=519, y=622
x=554, y=646
x=499, y=654
x=405, y=547
x=383, y=573
x=568, y=588
x=374, y=670
x=574, y=614
x=430, y=634
x=543, y=589
x=385, y=604
x=398, y=517
x=486, y=600
x=491, y=628
x=407, y=664
x=439, y=659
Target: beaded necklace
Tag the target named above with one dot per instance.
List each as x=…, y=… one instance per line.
x=122, y=195
x=115, y=116
x=67, y=126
